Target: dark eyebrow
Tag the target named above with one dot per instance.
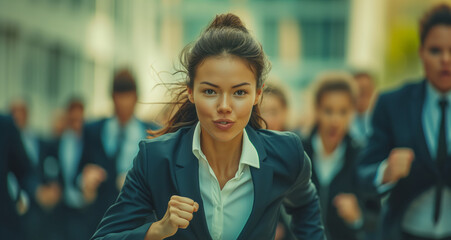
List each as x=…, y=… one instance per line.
x=216, y=86
x=241, y=84
x=211, y=84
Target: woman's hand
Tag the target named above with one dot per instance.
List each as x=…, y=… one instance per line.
x=92, y=176
x=178, y=215
x=347, y=207
x=398, y=164
x=48, y=195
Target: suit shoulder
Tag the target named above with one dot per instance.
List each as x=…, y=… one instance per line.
x=150, y=125
x=5, y=121
x=285, y=152
x=166, y=142
x=281, y=142
x=271, y=134
x=401, y=92
x=7, y=126
x=94, y=124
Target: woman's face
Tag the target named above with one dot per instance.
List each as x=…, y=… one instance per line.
x=334, y=114
x=124, y=105
x=274, y=112
x=436, y=56
x=224, y=93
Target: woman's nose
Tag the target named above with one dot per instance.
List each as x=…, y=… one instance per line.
x=224, y=105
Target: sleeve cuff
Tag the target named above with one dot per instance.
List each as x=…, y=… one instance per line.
x=382, y=188
x=356, y=224
x=137, y=233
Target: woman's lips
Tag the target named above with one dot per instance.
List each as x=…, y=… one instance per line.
x=223, y=125
x=445, y=73
x=333, y=133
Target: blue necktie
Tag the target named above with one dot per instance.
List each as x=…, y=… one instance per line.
x=119, y=143
x=442, y=152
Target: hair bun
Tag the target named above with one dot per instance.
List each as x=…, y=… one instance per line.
x=227, y=20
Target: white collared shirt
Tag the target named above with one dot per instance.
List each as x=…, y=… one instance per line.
x=71, y=147
x=133, y=133
x=360, y=128
x=227, y=210
x=327, y=165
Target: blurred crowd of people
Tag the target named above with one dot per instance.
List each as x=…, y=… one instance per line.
x=81, y=170
x=377, y=164
x=342, y=102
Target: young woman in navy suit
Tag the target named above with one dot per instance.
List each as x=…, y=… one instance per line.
x=334, y=154
x=212, y=172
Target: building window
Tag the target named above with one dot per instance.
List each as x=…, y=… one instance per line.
x=323, y=38
x=271, y=37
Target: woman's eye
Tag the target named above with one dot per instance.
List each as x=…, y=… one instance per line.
x=209, y=91
x=434, y=50
x=344, y=112
x=328, y=111
x=240, y=92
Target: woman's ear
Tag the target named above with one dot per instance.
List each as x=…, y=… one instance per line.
x=190, y=94
x=258, y=96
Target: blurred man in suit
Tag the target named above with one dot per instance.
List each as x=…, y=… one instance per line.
x=409, y=152
x=109, y=147
x=14, y=159
x=360, y=127
x=68, y=148
x=39, y=221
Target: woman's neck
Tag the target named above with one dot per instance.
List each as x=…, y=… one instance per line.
x=329, y=145
x=223, y=157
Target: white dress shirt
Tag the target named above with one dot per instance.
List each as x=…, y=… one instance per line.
x=227, y=210
x=360, y=128
x=418, y=218
x=133, y=133
x=327, y=166
x=71, y=147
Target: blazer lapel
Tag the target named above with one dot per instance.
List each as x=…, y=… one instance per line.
x=187, y=177
x=262, y=180
x=99, y=134
x=416, y=110
x=308, y=148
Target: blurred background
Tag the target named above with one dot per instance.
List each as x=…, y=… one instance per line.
x=54, y=49
x=58, y=59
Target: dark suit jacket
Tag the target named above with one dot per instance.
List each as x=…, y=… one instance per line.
x=344, y=182
x=40, y=223
x=397, y=122
x=71, y=223
x=12, y=159
x=166, y=166
x=94, y=152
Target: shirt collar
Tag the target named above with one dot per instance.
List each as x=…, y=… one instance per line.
x=113, y=127
x=249, y=155
x=434, y=96
x=336, y=155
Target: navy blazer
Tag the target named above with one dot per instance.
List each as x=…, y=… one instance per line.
x=345, y=181
x=14, y=159
x=166, y=166
x=94, y=153
x=397, y=122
